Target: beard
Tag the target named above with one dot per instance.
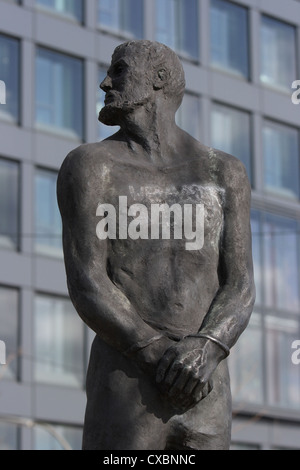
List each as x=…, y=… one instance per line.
x=114, y=113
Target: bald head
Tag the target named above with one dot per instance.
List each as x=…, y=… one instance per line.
x=162, y=66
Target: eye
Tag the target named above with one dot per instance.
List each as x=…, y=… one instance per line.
x=118, y=70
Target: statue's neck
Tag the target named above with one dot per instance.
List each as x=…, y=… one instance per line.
x=153, y=134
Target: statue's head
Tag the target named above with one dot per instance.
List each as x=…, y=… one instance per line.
x=141, y=72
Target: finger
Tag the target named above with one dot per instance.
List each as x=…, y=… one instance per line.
x=164, y=364
x=172, y=373
x=179, y=383
x=191, y=384
x=198, y=393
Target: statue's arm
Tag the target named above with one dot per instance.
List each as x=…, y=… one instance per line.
x=98, y=301
x=185, y=369
x=230, y=311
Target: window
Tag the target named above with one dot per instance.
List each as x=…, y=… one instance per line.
x=104, y=131
x=231, y=133
x=9, y=308
x=246, y=368
x=264, y=349
x=59, y=342
x=48, y=227
x=177, y=26
x=282, y=375
x=281, y=264
x=229, y=37
x=9, y=204
x=8, y=436
x=122, y=16
x=188, y=115
x=281, y=159
x=69, y=8
x=9, y=74
x=278, y=53
x=59, y=93
x=61, y=438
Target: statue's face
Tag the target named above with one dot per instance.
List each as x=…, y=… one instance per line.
x=127, y=86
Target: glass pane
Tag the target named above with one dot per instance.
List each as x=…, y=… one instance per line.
x=48, y=226
x=9, y=306
x=188, y=115
x=9, y=66
x=59, y=93
x=229, y=37
x=104, y=131
x=246, y=368
x=281, y=159
x=122, y=15
x=8, y=436
x=281, y=269
x=60, y=438
x=9, y=204
x=59, y=342
x=278, y=53
x=177, y=25
x=230, y=132
x=283, y=376
x=72, y=8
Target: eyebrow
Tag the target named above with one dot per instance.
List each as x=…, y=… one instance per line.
x=118, y=62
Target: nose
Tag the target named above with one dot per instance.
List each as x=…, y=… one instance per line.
x=106, y=85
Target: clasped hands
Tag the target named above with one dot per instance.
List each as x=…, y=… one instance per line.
x=184, y=371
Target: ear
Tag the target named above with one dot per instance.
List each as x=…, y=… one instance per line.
x=160, y=78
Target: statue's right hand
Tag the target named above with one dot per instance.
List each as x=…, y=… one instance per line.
x=149, y=357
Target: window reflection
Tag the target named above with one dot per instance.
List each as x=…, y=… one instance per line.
x=8, y=436
x=9, y=204
x=70, y=8
x=229, y=37
x=188, y=115
x=177, y=26
x=246, y=367
x=283, y=376
x=71, y=436
x=59, y=93
x=9, y=310
x=230, y=132
x=9, y=67
x=281, y=159
x=59, y=342
x=281, y=268
x=48, y=228
x=278, y=53
x=122, y=16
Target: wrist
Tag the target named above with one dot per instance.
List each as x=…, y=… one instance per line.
x=212, y=339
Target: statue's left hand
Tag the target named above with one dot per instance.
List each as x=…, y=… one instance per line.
x=184, y=371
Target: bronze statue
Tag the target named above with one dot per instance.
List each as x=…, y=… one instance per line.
x=165, y=311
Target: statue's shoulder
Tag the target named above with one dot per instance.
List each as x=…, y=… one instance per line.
x=228, y=169
x=81, y=159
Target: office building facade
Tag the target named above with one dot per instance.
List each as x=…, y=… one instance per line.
x=240, y=59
